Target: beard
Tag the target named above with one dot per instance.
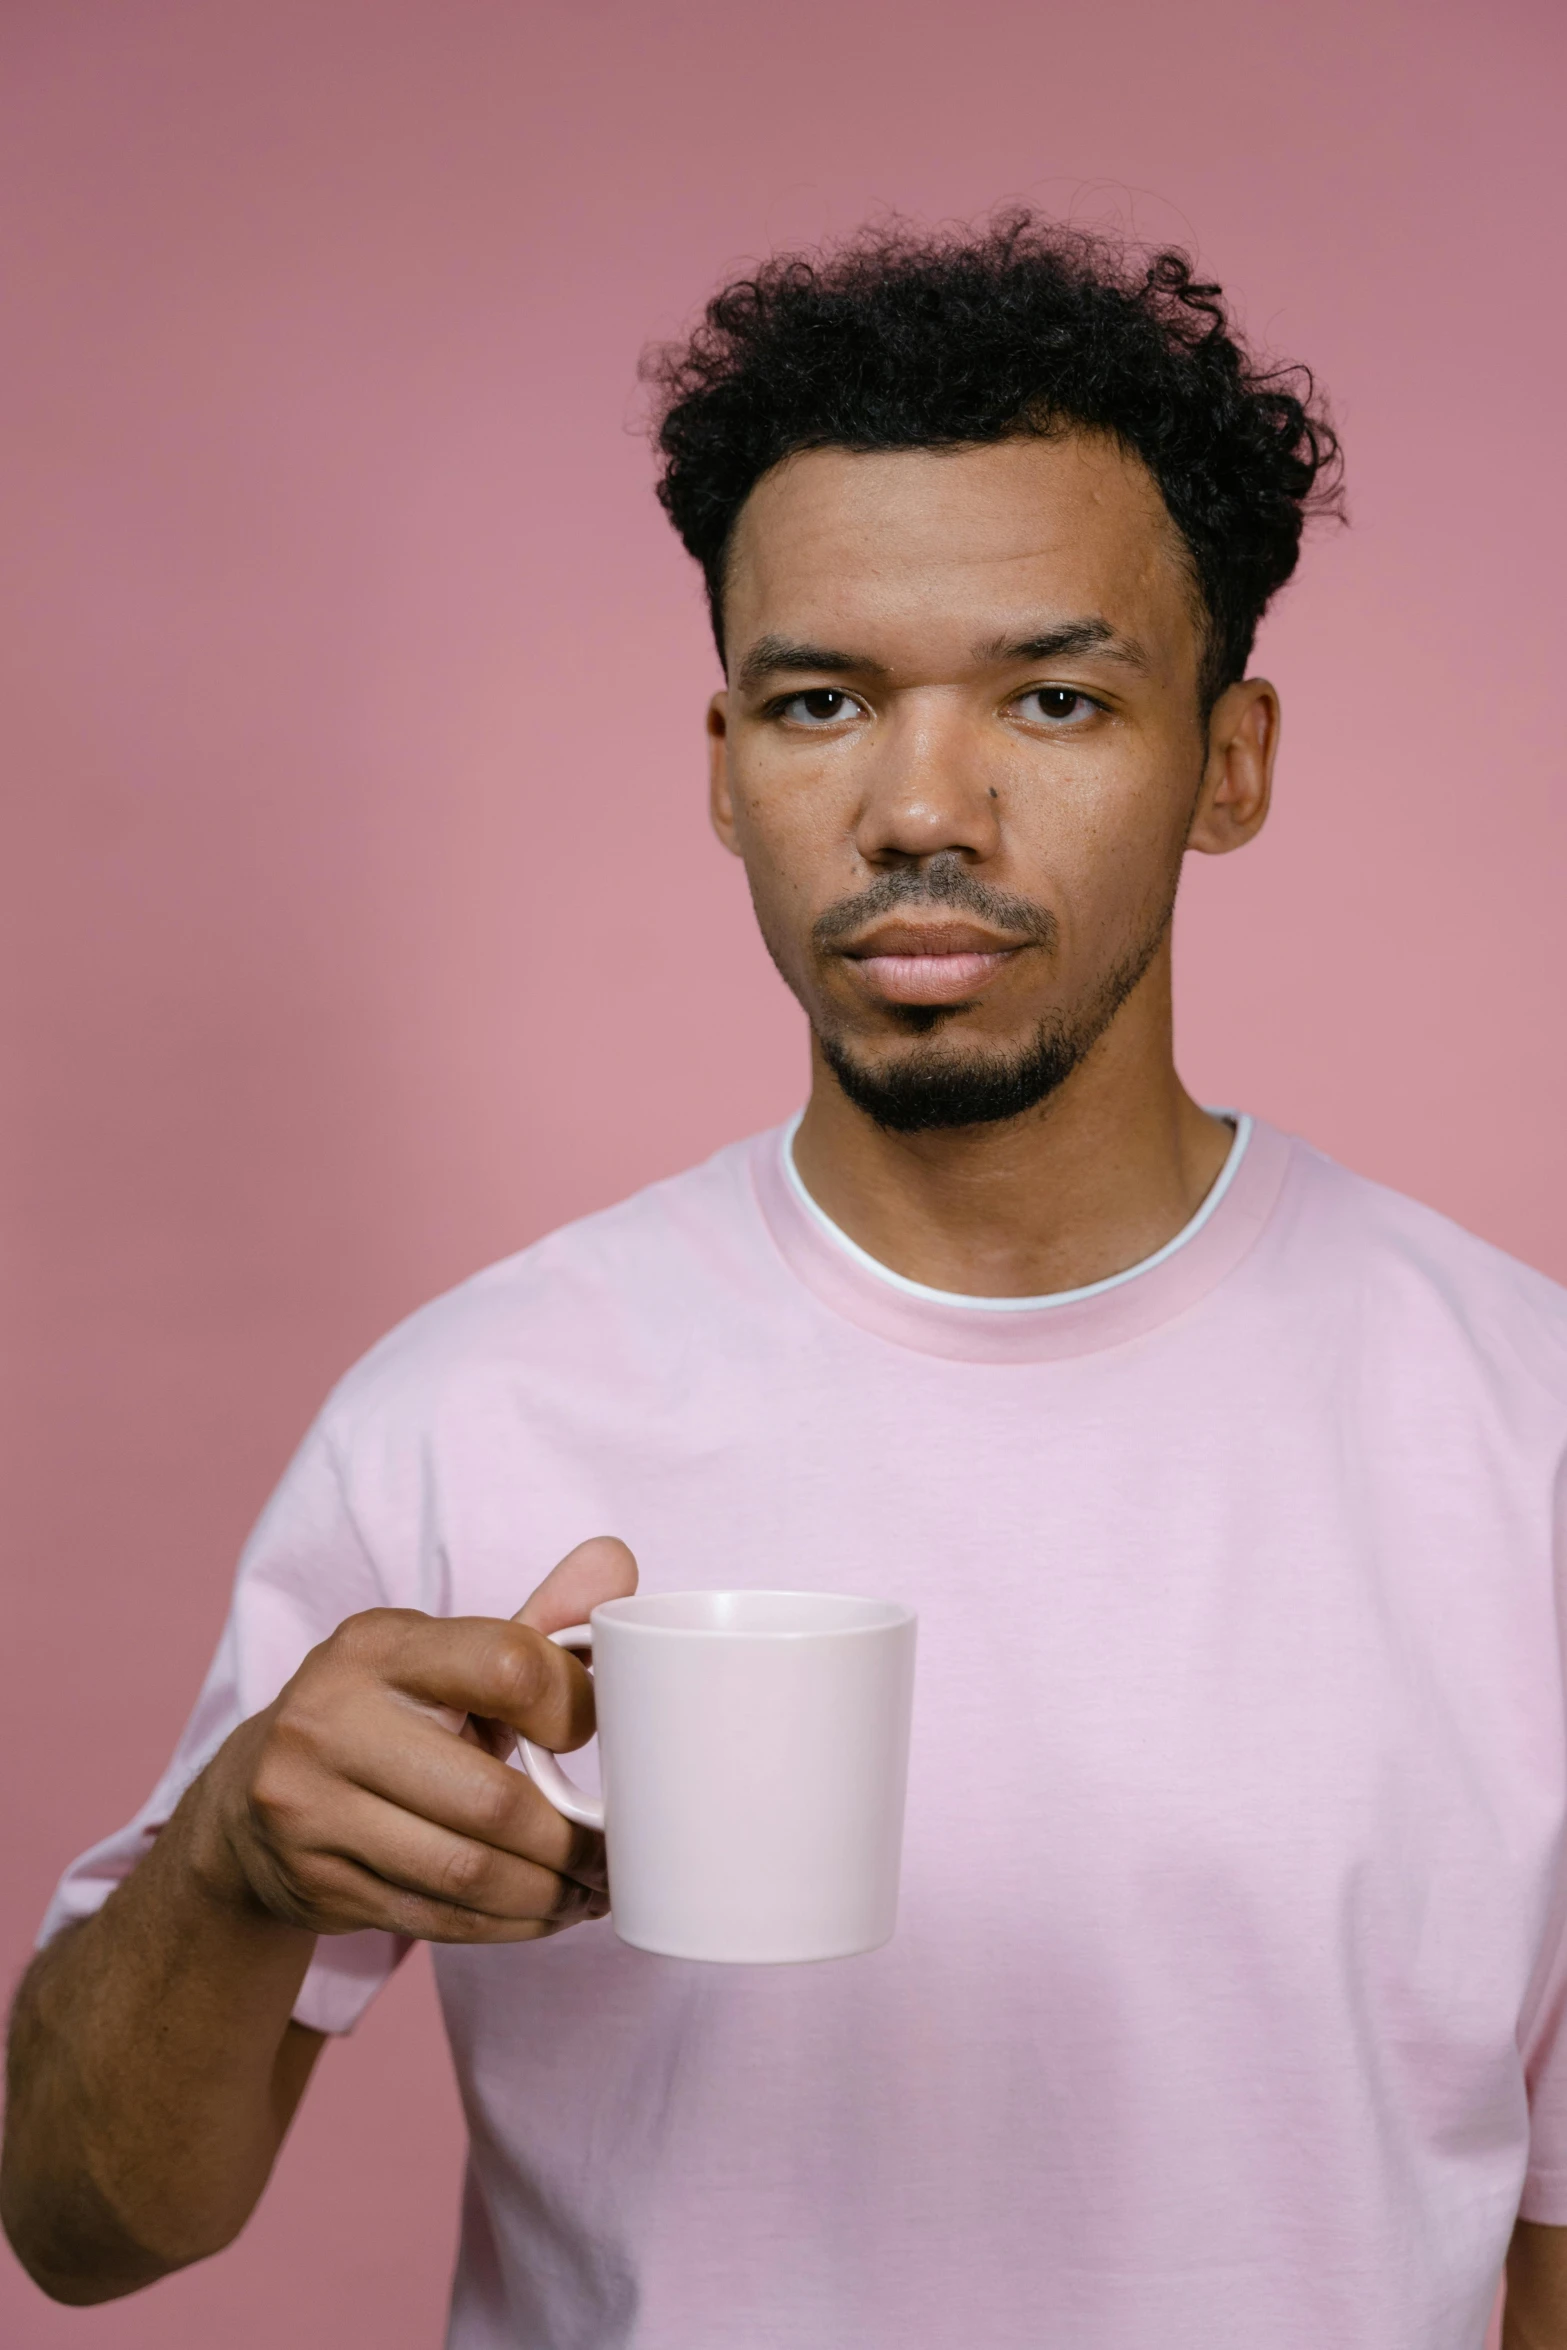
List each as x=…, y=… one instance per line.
x=950, y=1082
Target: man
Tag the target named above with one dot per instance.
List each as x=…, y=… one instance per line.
x=1225, y=2004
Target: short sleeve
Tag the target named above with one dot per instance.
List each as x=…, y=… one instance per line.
x=304, y=1569
x=1543, y=2041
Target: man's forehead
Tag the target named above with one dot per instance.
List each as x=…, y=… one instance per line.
x=995, y=544
x=1069, y=517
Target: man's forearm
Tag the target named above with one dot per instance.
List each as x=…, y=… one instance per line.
x=1536, y=2316
x=153, y=2071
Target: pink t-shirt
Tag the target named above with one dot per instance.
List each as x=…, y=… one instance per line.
x=1224, y=2012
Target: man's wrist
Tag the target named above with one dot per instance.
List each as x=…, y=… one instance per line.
x=209, y=1848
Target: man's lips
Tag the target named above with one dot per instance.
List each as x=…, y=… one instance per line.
x=929, y=963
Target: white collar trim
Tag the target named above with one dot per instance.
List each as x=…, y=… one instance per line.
x=1013, y=1305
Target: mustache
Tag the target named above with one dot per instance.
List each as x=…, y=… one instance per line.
x=943, y=882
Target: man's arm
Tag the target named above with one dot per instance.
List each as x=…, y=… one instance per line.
x=1536, y=2316
x=154, y=2068
x=152, y=2072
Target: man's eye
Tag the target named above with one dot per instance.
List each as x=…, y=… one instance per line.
x=820, y=705
x=1053, y=703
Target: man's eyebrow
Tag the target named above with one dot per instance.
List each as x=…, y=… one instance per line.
x=772, y=655
x=1064, y=642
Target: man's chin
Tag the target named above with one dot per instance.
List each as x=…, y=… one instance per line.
x=922, y=1090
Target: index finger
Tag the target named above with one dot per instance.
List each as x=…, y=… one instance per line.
x=484, y=1665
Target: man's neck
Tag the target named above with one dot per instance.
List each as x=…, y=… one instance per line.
x=1097, y=1177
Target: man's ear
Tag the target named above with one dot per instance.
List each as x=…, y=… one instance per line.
x=1237, y=783
x=720, y=806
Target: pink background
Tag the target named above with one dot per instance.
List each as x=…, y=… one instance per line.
x=362, y=918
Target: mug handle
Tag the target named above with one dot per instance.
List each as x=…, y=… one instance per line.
x=542, y=1768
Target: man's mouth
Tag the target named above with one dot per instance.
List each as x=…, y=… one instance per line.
x=929, y=962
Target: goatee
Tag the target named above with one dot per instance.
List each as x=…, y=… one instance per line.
x=949, y=1085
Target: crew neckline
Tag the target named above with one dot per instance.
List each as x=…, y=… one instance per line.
x=1050, y=1300
x=860, y=1289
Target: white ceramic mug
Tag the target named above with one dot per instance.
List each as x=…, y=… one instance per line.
x=753, y=1750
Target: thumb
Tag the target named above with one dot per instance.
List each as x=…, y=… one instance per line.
x=600, y=1568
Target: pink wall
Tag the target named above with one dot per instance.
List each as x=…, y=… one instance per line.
x=362, y=918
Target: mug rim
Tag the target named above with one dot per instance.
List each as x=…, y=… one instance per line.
x=626, y=1614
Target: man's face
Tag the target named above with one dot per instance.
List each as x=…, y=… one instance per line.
x=961, y=755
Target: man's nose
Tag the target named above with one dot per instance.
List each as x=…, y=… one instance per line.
x=927, y=790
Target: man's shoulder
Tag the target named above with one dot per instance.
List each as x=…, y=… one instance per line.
x=1385, y=1251
x=631, y=1281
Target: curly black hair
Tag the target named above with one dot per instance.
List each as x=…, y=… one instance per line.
x=899, y=340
